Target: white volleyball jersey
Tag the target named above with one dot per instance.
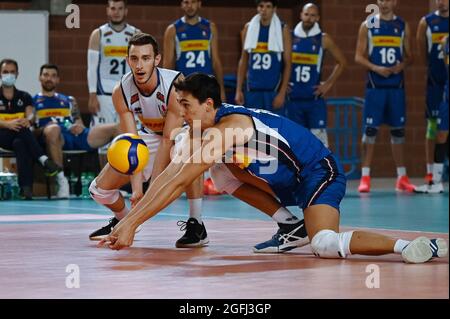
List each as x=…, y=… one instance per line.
x=113, y=51
x=152, y=109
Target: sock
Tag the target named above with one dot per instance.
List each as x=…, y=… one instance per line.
x=120, y=215
x=429, y=169
x=401, y=171
x=400, y=245
x=283, y=216
x=366, y=171
x=438, y=170
x=61, y=175
x=195, y=209
x=42, y=159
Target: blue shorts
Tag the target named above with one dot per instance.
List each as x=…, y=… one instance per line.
x=325, y=184
x=435, y=94
x=311, y=114
x=262, y=100
x=385, y=106
x=76, y=143
x=442, y=119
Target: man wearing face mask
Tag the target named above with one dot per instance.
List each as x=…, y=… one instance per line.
x=106, y=64
x=16, y=110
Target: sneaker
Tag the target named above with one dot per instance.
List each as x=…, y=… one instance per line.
x=106, y=230
x=430, y=188
x=209, y=188
x=418, y=251
x=428, y=178
x=63, y=189
x=195, y=235
x=404, y=185
x=26, y=193
x=50, y=168
x=286, y=238
x=439, y=247
x=364, y=185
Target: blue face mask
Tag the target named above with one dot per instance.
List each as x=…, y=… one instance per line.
x=8, y=79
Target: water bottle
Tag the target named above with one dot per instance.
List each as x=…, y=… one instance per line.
x=67, y=124
x=15, y=188
x=85, y=182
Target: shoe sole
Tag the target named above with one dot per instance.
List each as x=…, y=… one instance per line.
x=418, y=251
x=201, y=243
x=442, y=248
x=282, y=248
x=98, y=238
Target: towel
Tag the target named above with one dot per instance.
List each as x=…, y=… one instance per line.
x=275, y=34
x=299, y=32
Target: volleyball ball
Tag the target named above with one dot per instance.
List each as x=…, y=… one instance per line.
x=128, y=154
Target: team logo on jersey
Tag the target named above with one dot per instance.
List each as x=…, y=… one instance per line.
x=107, y=34
x=20, y=103
x=396, y=30
x=138, y=110
x=162, y=109
x=129, y=34
x=108, y=40
x=62, y=103
x=183, y=36
x=377, y=31
x=205, y=34
x=160, y=97
x=436, y=28
x=314, y=48
x=134, y=98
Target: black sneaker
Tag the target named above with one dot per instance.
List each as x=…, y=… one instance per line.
x=195, y=235
x=26, y=193
x=104, y=231
x=288, y=237
x=50, y=168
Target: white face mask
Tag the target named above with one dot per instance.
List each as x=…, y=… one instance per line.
x=8, y=79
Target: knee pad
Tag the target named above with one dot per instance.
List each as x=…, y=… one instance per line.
x=431, y=129
x=329, y=244
x=370, y=135
x=103, y=196
x=398, y=136
x=223, y=179
x=321, y=134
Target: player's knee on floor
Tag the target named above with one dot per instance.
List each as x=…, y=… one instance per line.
x=397, y=135
x=223, y=179
x=431, y=129
x=370, y=135
x=322, y=135
x=329, y=244
x=103, y=196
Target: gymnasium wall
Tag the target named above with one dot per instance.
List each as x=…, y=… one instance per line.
x=340, y=18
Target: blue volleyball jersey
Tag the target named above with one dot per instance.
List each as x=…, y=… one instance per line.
x=386, y=45
x=56, y=108
x=193, y=47
x=307, y=59
x=446, y=60
x=264, y=66
x=437, y=30
x=276, y=141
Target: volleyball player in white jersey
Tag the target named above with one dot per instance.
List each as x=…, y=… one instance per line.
x=147, y=92
x=107, y=64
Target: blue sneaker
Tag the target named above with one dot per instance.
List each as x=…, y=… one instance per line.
x=286, y=238
x=439, y=247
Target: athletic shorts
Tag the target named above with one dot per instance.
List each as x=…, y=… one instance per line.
x=262, y=100
x=435, y=96
x=311, y=114
x=385, y=106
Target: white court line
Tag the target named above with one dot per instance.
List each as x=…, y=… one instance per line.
x=47, y=217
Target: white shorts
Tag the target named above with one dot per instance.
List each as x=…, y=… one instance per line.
x=153, y=141
x=106, y=115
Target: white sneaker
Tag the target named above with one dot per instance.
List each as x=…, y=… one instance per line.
x=436, y=188
x=418, y=251
x=63, y=188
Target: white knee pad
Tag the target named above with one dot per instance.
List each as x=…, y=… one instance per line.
x=321, y=134
x=223, y=179
x=329, y=244
x=102, y=196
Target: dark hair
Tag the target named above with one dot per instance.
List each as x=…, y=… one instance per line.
x=143, y=39
x=9, y=61
x=124, y=1
x=202, y=86
x=49, y=66
x=274, y=2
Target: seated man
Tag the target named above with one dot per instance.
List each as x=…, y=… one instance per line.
x=302, y=172
x=60, y=126
x=15, y=111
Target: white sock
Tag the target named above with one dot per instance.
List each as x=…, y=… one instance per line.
x=124, y=212
x=400, y=245
x=438, y=170
x=401, y=171
x=366, y=171
x=42, y=159
x=195, y=209
x=284, y=216
x=61, y=175
x=429, y=168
